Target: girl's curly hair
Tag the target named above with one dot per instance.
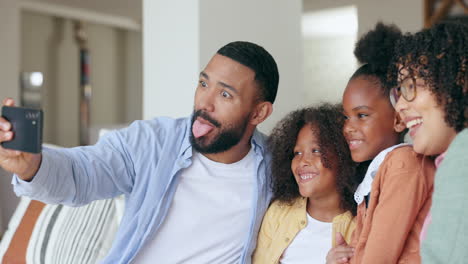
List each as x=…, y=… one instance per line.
x=375, y=51
x=327, y=121
x=439, y=55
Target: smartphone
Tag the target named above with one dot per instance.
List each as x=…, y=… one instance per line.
x=27, y=128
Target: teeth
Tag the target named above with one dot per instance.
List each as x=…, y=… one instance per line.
x=414, y=122
x=355, y=142
x=307, y=176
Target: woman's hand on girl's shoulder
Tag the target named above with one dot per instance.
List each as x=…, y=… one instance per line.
x=341, y=253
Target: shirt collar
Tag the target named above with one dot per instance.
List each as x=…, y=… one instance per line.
x=439, y=159
x=186, y=149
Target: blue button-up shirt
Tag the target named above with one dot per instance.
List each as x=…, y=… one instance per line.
x=142, y=162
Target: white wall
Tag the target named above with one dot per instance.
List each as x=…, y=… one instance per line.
x=328, y=64
x=329, y=36
x=171, y=57
x=179, y=42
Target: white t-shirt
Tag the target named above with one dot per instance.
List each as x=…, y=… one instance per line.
x=209, y=218
x=311, y=244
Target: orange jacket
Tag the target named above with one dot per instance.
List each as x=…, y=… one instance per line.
x=388, y=230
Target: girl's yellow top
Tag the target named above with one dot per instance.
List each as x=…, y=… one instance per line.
x=282, y=222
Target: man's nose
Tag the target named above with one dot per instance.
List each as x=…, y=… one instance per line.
x=205, y=101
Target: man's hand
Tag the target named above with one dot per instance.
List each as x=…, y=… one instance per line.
x=341, y=253
x=24, y=164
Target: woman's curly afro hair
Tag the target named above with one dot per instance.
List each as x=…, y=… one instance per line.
x=439, y=55
x=327, y=123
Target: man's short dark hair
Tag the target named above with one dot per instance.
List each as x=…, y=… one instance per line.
x=260, y=61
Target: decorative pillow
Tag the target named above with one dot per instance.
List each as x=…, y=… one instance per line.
x=40, y=233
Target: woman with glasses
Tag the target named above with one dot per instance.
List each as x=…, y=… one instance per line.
x=432, y=99
x=394, y=197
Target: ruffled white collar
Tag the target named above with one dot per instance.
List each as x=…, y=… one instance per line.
x=365, y=187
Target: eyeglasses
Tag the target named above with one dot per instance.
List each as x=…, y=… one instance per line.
x=407, y=89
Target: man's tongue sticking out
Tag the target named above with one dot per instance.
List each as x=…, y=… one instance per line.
x=200, y=129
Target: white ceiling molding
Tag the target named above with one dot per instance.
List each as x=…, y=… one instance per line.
x=80, y=14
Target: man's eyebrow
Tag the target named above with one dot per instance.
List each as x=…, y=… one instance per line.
x=204, y=75
x=227, y=86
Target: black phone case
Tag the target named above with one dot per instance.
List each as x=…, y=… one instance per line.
x=27, y=128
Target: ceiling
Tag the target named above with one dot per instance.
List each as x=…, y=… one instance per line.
x=130, y=9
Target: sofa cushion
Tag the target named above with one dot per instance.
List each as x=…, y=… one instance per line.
x=40, y=233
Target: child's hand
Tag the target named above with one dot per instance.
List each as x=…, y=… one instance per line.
x=341, y=253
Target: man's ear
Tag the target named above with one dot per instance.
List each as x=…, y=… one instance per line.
x=261, y=112
x=398, y=123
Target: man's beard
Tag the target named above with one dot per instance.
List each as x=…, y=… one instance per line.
x=229, y=135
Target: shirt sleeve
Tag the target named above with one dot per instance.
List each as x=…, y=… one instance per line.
x=403, y=191
x=80, y=175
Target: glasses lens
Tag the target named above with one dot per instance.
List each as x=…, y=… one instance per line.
x=408, y=89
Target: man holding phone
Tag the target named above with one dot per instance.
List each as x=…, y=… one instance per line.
x=196, y=188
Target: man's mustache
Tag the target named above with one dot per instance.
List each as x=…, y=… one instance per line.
x=204, y=115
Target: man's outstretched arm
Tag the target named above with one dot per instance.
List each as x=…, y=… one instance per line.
x=71, y=176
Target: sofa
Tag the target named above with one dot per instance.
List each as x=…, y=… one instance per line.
x=42, y=233
x=39, y=233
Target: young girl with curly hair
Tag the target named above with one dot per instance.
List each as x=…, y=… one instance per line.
x=432, y=98
x=395, y=195
x=313, y=186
